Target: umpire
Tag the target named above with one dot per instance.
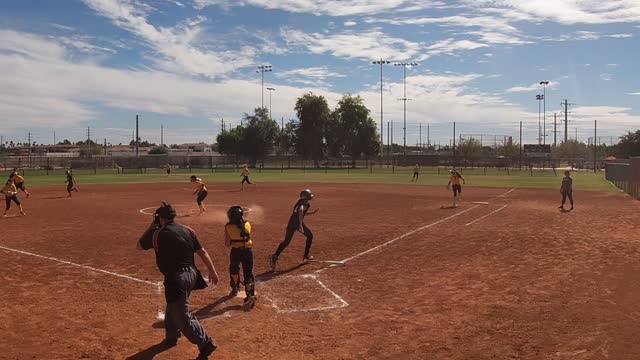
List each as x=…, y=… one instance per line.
x=174, y=245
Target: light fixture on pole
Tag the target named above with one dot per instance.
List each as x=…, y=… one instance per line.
x=381, y=62
x=544, y=107
x=539, y=98
x=270, y=90
x=263, y=69
x=404, y=99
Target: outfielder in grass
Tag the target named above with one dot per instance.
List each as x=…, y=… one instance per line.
x=296, y=223
x=416, y=173
x=11, y=194
x=71, y=182
x=237, y=236
x=454, y=183
x=201, y=192
x=566, y=189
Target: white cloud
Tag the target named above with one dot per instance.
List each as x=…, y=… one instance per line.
x=63, y=27
x=176, y=48
x=605, y=77
x=533, y=87
x=370, y=45
x=312, y=76
x=450, y=46
x=634, y=93
x=350, y=23
x=562, y=11
x=327, y=7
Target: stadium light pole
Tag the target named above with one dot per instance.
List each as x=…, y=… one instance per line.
x=404, y=99
x=262, y=69
x=544, y=113
x=270, y=90
x=539, y=98
x=381, y=62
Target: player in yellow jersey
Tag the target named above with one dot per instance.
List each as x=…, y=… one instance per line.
x=245, y=176
x=454, y=181
x=237, y=236
x=11, y=194
x=201, y=192
x=18, y=180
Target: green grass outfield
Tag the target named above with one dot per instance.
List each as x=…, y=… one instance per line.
x=583, y=180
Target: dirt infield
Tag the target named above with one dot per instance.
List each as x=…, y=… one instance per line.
x=514, y=279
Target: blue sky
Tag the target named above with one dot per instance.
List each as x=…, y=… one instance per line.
x=187, y=64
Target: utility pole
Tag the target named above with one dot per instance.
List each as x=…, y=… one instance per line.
x=137, y=137
x=88, y=135
x=404, y=99
x=222, y=126
x=105, y=147
x=161, y=135
x=454, y=143
x=388, y=133
x=544, y=100
x=595, y=146
x=428, y=138
x=54, y=137
x=520, y=145
x=566, y=105
x=420, y=147
x=381, y=62
x=391, y=149
x=554, y=130
x=262, y=69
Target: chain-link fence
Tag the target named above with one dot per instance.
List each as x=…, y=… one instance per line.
x=625, y=176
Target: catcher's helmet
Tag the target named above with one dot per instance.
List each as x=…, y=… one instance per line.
x=306, y=194
x=235, y=213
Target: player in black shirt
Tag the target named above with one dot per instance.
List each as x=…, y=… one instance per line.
x=71, y=182
x=566, y=189
x=296, y=223
x=174, y=245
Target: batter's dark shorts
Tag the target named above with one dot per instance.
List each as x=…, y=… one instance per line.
x=245, y=179
x=201, y=197
x=457, y=189
x=168, y=171
x=20, y=186
x=70, y=187
x=9, y=199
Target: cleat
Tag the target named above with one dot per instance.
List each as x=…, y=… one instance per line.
x=308, y=258
x=234, y=293
x=206, y=350
x=249, y=303
x=272, y=262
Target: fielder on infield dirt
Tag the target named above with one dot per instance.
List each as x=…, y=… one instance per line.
x=296, y=223
x=454, y=181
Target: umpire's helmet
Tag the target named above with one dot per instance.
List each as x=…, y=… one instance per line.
x=166, y=211
x=306, y=194
x=235, y=213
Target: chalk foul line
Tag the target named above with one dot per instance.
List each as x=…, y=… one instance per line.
x=155, y=284
x=484, y=216
x=406, y=235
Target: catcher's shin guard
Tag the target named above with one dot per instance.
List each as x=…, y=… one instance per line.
x=249, y=289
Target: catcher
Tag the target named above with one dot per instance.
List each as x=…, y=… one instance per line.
x=11, y=194
x=237, y=236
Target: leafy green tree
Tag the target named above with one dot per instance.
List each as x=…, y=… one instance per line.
x=230, y=142
x=470, y=149
x=287, y=139
x=65, y=142
x=313, y=113
x=628, y=146
x=142, y=143
x=259, y=134
x=571, y=150
x=356, y=131
x=158, y=150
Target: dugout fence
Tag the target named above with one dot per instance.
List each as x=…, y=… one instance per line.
x=625, y=176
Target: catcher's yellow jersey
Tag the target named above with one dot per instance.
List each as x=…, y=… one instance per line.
x=233, y=232
x=9, y=188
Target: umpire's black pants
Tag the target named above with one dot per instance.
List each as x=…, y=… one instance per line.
x=178, y=319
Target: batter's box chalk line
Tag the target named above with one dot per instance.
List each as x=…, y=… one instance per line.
x=319, y=297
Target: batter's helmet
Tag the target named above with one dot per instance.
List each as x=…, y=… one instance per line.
x=306, y=194
x=235, y=213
